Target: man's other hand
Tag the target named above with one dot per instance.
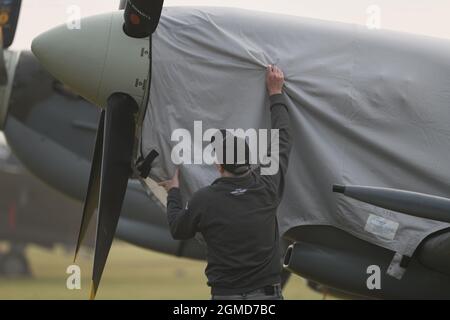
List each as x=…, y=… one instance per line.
x=172, y=183
x=274, y=80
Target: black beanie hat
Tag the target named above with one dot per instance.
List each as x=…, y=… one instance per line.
x=240, y=164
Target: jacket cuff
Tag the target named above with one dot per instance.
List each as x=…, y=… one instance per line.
x=174, y=192
x=277, y=99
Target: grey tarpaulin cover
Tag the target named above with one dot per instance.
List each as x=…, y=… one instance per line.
x=367, y=108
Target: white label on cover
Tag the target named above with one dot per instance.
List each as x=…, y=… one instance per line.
x=381, y=227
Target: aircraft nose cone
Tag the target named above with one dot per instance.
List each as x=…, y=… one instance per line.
x=76, y=57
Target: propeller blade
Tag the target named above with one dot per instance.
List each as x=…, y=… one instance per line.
x=9, y=17
x=118, y=142
x=142, y=17
x=93, y=191
x=3, y=71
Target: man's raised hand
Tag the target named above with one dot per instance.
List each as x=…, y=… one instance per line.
x=274, y=80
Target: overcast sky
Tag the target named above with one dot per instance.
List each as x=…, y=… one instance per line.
x=414, y=16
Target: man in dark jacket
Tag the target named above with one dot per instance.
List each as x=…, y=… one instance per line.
x=237, y=216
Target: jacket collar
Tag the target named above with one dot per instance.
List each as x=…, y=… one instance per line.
x=240, y=180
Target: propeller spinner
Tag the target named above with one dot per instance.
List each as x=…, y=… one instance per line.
x=107, y=62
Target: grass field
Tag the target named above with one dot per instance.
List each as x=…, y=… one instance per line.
x=131, y=273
